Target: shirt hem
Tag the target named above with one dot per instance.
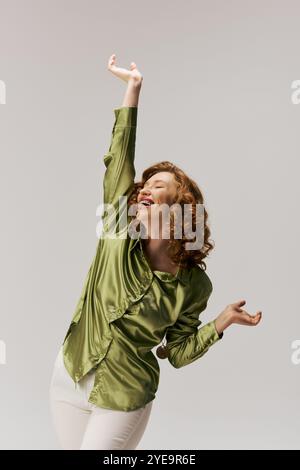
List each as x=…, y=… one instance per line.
x=101, y=405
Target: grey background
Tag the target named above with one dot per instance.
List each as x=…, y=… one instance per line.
x=216, y=100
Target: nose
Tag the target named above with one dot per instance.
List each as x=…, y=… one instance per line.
x=145, y=191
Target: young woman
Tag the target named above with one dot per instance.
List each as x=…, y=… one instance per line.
x=139, y=289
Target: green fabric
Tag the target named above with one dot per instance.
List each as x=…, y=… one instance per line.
x=125, y=309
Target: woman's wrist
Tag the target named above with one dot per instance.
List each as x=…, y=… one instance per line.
x=222, y=322
x=132, y=93
x=135, y=82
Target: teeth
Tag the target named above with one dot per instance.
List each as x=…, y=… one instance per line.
x=146, y=203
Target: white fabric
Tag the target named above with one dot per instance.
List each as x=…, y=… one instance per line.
x=82, y=425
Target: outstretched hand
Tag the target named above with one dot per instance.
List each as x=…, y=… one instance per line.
x=132, y=74
x=233, y=313
x=240, y=316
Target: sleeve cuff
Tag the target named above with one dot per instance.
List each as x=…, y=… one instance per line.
x=219, y=335
x=126, y=116
x=213, y=335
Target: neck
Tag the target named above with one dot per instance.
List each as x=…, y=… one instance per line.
x=156, y=251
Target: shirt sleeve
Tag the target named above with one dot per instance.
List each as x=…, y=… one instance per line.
x=186, y=342
x=119, y=160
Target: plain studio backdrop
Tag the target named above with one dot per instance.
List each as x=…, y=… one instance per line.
x=216, y=101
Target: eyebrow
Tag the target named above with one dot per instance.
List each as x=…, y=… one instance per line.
x=162, y=181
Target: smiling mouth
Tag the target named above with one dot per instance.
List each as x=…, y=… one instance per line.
x=146, y=203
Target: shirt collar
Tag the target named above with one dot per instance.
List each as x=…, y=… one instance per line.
x=182, y=274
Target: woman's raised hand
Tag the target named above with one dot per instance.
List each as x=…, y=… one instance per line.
x=127, y=75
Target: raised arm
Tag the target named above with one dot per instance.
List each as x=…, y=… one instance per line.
x=119, y=160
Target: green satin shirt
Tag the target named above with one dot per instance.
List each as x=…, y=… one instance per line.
x=126, y=309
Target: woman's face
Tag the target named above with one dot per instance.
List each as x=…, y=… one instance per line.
x=160, y=188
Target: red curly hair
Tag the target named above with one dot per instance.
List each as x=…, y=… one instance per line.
x=188, y=192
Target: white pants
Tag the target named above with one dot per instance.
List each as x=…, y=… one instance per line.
x=82, y=425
